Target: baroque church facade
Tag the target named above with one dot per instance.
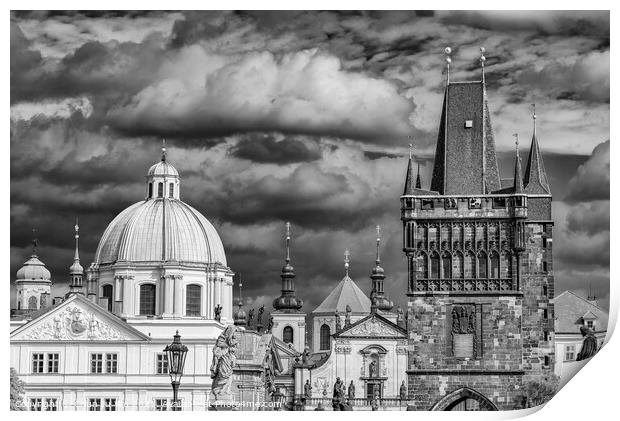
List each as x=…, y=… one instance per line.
x=479, y=325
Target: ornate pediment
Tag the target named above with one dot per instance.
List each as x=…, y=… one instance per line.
x=373, y=326
x=77, y=319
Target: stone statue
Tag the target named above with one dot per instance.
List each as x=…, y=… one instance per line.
x=305, y=356
x=218, y=313
x=307, y=390
x=375, y=401
x=224, y=359
x=399, y=317
x=347, y=318
x=403, y=391
x=338, y=321
x=338, y=398
x=351, y=391
x=259, y=318
x=270, y=324
x=250, y=318
x=372, y=369
x=589, y=346
x=271, y=391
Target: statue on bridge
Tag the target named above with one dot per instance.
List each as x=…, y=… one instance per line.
x=589, y=347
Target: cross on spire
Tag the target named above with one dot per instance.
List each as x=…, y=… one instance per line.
x=516, y=136
x=447, y=51
x=410, y=146
x=34, y=241
x=163, y=150
x=534, y=117
x=347, y=255
x=483, y=59
x=77, y=236
x=240, y=291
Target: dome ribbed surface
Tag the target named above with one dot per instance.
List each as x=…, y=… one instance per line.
x=162, y=168
x=136, y=235
x=33, y=269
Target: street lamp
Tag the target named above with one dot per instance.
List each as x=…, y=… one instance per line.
x=176, y=353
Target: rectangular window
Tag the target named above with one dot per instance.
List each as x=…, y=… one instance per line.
x=96, y=363
x=109, y=404
x=545, y=314
x=37, y=363
x=544, y=266
x=569, y=353
x=111, y=363
x=544, y=242
x=449, y=203
x=36, y=404
x=161, y=404
x=51, y=404
x=545, y=290
x=590, y=324
x=171, y=190
x=94, y=404
x=162, y=364
x=428, y=204
x=52, y=363
x=160, y=189
x=475, y=203
x=547, y=361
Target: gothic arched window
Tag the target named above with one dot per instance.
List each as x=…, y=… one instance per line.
x=32, y=303
x=325, y=340
x=469, y=269
x=494, y=265
x=192, y=300
x=150, y=190
x=446, y=265
x=287, y=335
x=422, y=266
x=107, y=292
x=457, y=265
x=434, y=266
x=147, y=300
x=506, y=265
x=160, y=189
x=482, y=265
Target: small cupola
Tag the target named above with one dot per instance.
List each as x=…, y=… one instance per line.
x=162, y=179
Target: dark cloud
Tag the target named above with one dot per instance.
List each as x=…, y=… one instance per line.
x=592, y=179
x=328, y=97
x=265, y=148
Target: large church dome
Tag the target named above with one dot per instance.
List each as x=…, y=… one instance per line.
x=161, y=227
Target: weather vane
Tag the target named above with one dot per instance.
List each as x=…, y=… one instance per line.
x=483, y=59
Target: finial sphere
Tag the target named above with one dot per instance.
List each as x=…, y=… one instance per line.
x=448, y=60
x=482, y=50
x=483, y=59
x=447, y=50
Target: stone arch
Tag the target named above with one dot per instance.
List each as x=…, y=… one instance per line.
x=448, y=402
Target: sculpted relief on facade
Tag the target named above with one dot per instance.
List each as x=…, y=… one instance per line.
x=73, y=323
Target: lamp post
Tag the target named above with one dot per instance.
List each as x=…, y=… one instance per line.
x=176, y=353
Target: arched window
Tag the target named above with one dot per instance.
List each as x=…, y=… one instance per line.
x=32, y=303
x=494, y=265
x=160, y=189
x=446, y=265
x=482, y=265
x=192, y=300
x=171, y=190
x=457, y=265
x=469, y=269
x=506, y=265
x=147, y=300
x=287, y=335
x=325, y=342
x=150, y=190
x=108, y=292
x=434, y=266
x=422, y=266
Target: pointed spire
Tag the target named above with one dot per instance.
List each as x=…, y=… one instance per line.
x=240, y=316
x=347, y=256
x=535, y=181
x=288, y=300
x=378, y=243
x=76, y=256
x=410, y=184
x=518, y=175
x=163, y=150
x=418, y=182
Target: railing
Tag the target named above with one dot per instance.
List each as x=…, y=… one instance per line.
x=326, y=402
x=464, y=285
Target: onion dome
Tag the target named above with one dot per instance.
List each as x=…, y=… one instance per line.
x=240, y=317
x=377, y=295
x=288, y=301
x=34, y=270
x=161, y=227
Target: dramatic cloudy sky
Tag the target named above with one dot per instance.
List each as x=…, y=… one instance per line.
x=298, y=116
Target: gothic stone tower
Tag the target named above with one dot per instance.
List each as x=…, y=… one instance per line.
x=480, y=273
